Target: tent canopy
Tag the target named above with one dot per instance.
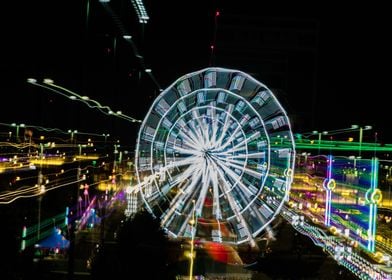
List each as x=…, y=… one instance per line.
x=54, y=240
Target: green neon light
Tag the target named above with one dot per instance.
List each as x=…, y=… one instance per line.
x=338, y=147
x=331, y=145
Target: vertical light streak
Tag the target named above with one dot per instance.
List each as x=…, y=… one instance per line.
x=328, y=196
x=192, y=240
x=373, y=206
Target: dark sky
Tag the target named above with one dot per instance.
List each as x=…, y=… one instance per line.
x=327, y=64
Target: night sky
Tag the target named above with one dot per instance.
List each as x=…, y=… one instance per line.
x=328, y=65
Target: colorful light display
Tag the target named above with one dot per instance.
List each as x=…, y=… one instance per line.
x=208, y=139
x=347, y=201
x=354, y=207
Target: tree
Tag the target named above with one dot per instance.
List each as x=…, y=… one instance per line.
x=141, y=248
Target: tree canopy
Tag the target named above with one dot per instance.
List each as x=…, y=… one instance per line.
x=141, y=248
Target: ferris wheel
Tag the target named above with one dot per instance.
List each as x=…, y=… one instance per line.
x=215, y=156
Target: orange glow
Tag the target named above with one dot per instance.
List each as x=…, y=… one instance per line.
x=222, y=253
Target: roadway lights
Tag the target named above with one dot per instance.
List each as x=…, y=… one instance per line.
x=352, y=128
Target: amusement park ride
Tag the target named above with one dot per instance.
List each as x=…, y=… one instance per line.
x=216, y=161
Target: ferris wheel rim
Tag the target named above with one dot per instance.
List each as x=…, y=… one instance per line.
x=268, y=157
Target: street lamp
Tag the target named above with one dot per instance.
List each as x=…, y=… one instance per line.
x=319, y=137
x=72, y=132
x=361, y=129
x=17, y=130
x=106, y=135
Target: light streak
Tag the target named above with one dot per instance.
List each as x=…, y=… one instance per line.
x=91, y=103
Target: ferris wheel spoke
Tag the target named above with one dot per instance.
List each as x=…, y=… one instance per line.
x=192, y=142
x=188, y=214
x=196, y=132
x=186, y=223
x=201, y=122
x=183, y=175
x=215, y=187
x=209, y=133
x=239, y=150
x=239, y=165
x=247, y=155
x=234, y=133
x=228, y=141
x=215, y=128
x=188, y=133
x=224, y=131
x=187, y=151
x=182, y=196
x=242, y=199
x=190, y=198
x=199, y=126
x=243, y=143
x=204, y=188
x=179, y=178
x=182, y=162
x=237, y=179
x=235, y=207
x=212, y=128
x=233, y=163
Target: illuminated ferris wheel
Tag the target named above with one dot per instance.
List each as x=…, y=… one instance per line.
x=214, y=156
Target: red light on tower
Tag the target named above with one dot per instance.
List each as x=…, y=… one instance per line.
x=217, y=13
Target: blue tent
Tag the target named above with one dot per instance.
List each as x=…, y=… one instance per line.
x=54, y=240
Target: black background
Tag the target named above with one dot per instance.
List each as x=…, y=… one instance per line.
x=342, y=79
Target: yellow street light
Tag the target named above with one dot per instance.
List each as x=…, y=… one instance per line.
x=192, y=240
